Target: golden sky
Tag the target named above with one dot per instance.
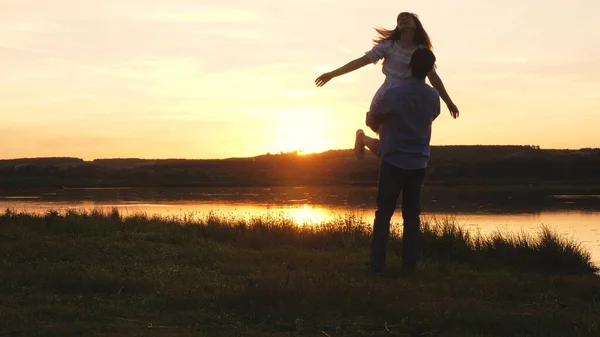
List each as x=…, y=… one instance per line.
x=216, y=79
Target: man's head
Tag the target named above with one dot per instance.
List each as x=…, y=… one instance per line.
x=421, y=63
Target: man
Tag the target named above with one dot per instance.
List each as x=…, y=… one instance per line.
x=405, y=115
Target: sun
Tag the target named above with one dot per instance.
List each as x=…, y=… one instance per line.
x=302, y=130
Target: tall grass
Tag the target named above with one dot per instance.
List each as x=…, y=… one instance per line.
x=442, y=240
x=445, y=240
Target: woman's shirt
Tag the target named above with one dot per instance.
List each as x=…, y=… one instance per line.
x=396, y=59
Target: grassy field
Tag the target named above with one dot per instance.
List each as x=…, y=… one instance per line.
x=100, y=274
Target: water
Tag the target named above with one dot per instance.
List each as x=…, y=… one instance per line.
x=482, y=210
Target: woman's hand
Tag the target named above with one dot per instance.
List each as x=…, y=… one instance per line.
x=348, y=67
x=436, y=82
x=453, y=109
x=321, y=80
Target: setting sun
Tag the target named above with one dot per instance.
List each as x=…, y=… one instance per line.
x=302, y=130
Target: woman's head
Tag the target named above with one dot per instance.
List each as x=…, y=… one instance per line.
x=404, y=22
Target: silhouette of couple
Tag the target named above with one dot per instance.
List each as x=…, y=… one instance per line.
x=401, y=112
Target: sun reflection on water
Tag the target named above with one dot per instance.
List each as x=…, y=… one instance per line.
x=308, y=215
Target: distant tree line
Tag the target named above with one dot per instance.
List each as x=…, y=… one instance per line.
x=449, y=164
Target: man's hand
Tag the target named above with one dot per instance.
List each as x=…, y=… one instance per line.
x=321, y=80
x=453, y=109
x=372, y=122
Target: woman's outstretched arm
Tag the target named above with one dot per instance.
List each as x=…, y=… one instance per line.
x=348, y=67
x=437, y=83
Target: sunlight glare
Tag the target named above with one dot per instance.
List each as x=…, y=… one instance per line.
x=307, y=215
x=303, y=130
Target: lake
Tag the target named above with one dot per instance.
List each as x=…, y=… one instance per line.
x=478, y=209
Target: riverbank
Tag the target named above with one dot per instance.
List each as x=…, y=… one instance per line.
x=102, y=274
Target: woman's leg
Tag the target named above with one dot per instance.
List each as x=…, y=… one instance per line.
x=359, y=145
x=371, y=143
x=363, y=140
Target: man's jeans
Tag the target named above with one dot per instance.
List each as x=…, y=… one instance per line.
x=392, y=181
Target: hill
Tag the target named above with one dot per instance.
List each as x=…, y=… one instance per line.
x=449, y=165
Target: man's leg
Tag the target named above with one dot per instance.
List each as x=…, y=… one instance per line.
x=411, y=210
x=388, y=190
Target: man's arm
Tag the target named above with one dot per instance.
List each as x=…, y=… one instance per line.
x=381, y=111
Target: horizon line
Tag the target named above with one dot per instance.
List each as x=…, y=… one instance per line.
x=293, y=152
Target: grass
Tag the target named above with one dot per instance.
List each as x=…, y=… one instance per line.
x=101, y=274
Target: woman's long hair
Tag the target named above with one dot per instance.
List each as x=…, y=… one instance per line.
x=421, y=36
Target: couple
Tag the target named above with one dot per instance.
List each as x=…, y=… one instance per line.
x=402, y=112
x=403, y=118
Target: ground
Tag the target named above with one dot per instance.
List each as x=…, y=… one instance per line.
x=102, y=275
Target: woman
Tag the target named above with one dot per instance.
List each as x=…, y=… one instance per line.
x=395, y=47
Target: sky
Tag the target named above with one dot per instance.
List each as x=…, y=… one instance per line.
x=235, y=78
